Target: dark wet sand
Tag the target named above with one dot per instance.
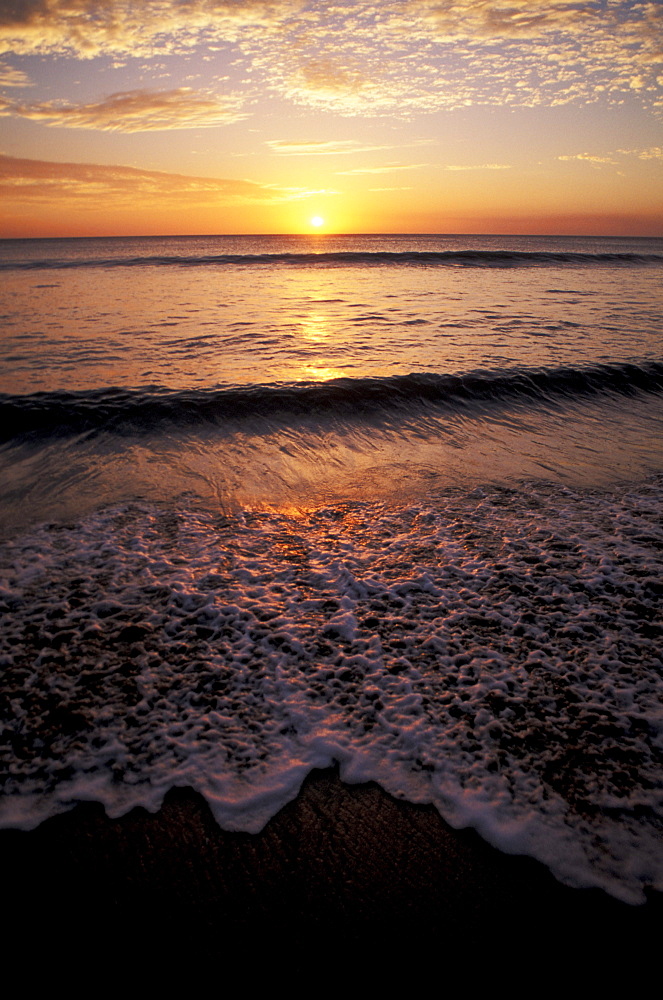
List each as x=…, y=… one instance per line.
x=341, y=871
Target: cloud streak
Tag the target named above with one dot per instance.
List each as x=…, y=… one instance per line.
x=12, y=77
x=595, y=161
x=323, y=147
x=478, y=166
x=386, y=168
x=132, y=111
x=652, y=153
x=27, y=180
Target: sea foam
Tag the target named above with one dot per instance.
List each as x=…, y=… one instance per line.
x=495, y=652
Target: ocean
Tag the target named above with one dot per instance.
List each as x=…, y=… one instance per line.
x=387, y=503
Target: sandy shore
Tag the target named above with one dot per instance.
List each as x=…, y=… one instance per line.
x=344, y=866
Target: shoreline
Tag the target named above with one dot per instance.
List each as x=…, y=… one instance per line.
x=347, y=865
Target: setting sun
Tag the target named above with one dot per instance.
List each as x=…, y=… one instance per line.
x=317, y=221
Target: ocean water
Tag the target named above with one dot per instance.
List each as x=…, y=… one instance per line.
x=390, y=502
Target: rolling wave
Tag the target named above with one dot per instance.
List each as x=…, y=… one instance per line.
x=429, y=258
x=135, y=412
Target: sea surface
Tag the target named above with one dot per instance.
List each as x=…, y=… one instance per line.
x=269, y=504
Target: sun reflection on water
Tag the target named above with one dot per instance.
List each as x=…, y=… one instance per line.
x=319, y=373
x=315, y=327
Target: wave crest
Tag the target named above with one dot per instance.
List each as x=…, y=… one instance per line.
x=132, y=412
x=349, y=258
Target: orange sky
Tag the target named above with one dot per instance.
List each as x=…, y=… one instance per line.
x=232, y=116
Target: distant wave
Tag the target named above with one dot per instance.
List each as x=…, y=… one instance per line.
x=428, y=258
x=134, y=412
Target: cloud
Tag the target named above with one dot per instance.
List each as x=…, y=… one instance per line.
x=384, y=169
x=596, y=161
x=133, y=111
x=424, y=55
x=330, y=73
x=456, y=19
x=653, y=153
x=478, y=166
x=89, y=28
x=315, y=147
x=33, y=181
x=12, y=77
x=362, y=56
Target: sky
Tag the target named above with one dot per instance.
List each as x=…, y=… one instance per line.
x=403, y=116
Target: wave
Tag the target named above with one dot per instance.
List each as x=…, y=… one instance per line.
x=133, y=412
x=428, y=258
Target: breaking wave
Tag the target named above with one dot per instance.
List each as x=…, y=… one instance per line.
x=348, y=258
x=133, y=412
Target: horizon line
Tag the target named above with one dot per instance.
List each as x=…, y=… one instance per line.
x=317, y=235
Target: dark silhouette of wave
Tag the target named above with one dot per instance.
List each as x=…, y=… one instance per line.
x=136, y=412
x=421, y=258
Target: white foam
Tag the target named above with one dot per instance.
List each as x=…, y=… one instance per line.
x=495, y=653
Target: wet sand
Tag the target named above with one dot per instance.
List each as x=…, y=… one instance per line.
x=346, y=868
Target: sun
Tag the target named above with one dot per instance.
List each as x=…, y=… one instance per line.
x=317, y=221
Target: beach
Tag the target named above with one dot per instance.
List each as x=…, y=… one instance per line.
x=342, y=874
